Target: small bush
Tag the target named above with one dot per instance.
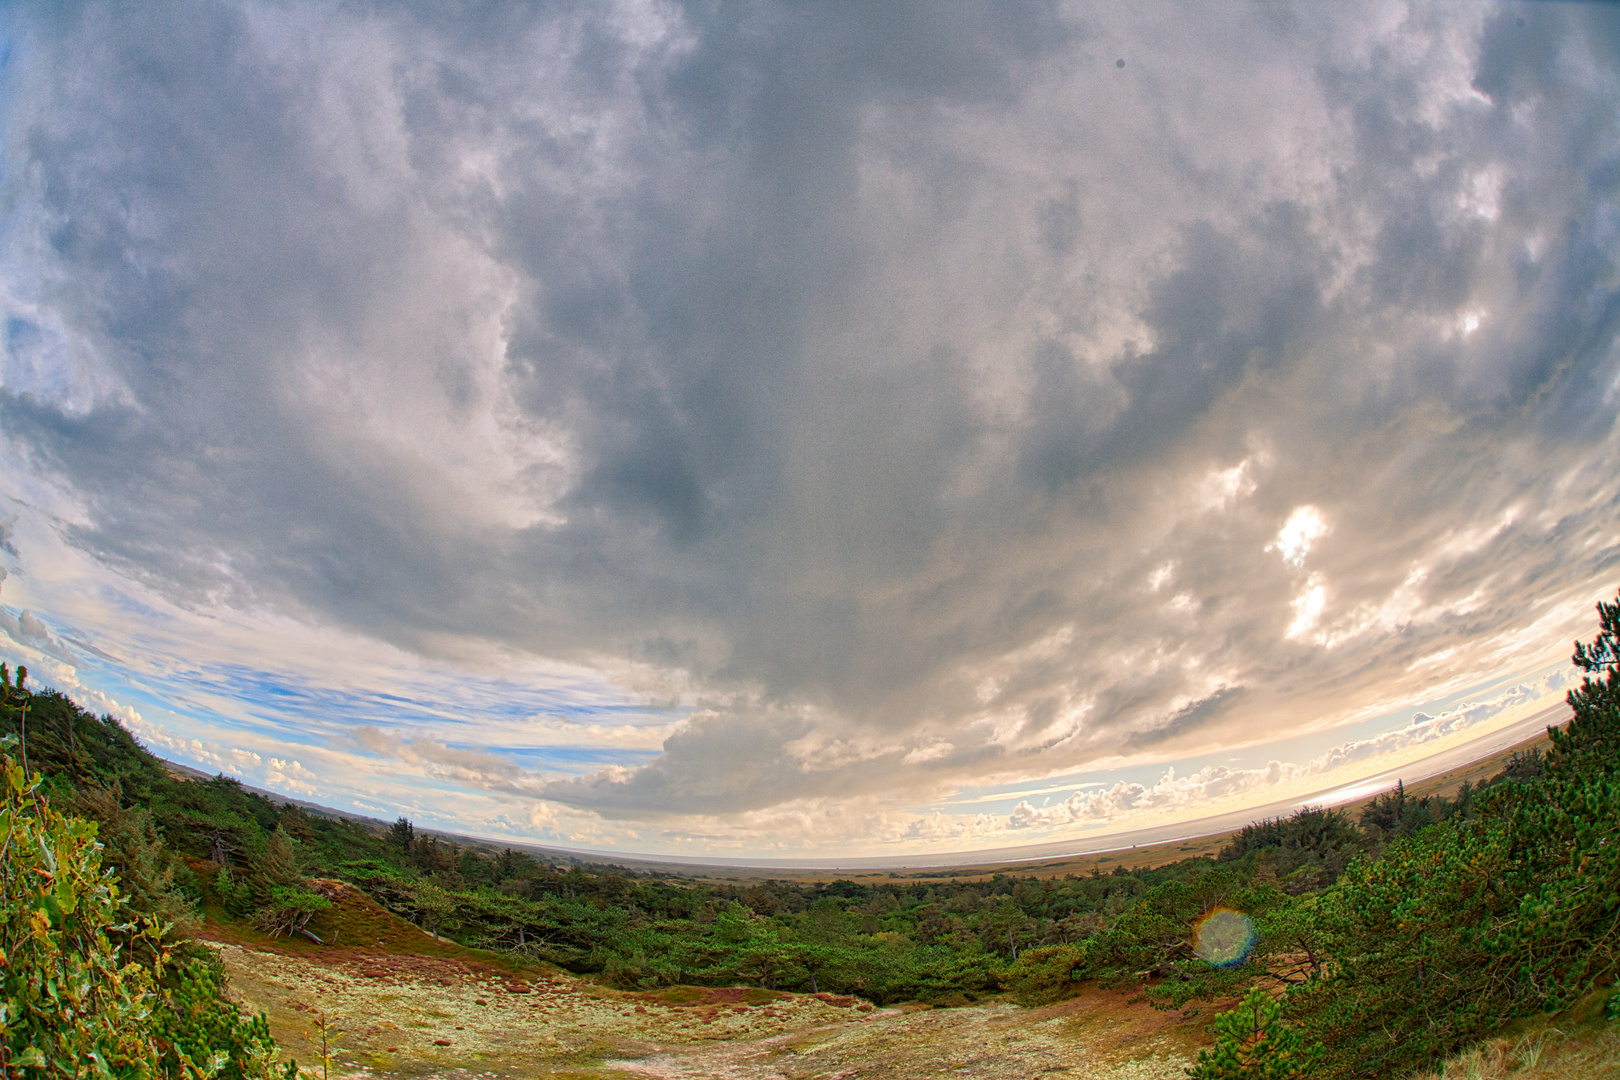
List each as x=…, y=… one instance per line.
x=1254, y=1043
x=198, y=1024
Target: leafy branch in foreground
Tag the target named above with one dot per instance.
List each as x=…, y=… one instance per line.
x=81, y=989
x=68, y=995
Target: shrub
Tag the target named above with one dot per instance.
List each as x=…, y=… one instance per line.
x=196, y=1024
x=1254, y=1043
x=289, y=911
x=235, y=895
x=69, y=998
x=73, y=997
x=1044, y=975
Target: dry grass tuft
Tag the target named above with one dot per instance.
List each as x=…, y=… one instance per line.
x=1589, y=1050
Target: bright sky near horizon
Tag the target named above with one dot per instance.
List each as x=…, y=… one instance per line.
x=767, y=428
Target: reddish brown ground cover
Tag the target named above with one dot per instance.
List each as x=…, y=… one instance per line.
x=412, y=1006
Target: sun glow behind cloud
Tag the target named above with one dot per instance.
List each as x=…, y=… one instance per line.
x=622, y=425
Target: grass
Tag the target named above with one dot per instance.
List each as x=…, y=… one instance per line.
x=1576, y=1045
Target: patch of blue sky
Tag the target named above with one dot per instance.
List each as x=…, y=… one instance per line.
x=186, y=703
x=407, y=691
x=225, y=704
x=199, y=715
x=1305, y=746
x=125, y=603
x=446, y=704
x=985, y=799
x=989, y=800
x=506, y=699
x=229, y=711
x=571, y=758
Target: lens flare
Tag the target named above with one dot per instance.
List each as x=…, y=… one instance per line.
x=1224, y=937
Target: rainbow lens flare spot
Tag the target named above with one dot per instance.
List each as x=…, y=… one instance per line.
x=1224, y=937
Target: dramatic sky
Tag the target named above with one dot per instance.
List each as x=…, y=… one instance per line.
x=749, y=428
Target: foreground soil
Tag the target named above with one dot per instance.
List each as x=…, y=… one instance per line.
x=440, y=1017
x=413, y=1007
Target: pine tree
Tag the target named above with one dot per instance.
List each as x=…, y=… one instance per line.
x=1254, y=1043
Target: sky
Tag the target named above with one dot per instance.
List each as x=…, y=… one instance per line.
x=751, y=429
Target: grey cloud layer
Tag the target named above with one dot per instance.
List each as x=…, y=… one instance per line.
x=912, y=385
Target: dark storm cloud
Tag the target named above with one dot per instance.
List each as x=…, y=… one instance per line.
x=912, y=388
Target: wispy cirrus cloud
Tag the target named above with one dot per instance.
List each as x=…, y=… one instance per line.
x=1124, y=799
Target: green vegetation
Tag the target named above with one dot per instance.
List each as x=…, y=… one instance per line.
x=1365, y=948
x=1252, y=1041
x=84, y=987
x=1509, y=910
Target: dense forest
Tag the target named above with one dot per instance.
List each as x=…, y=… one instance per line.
x=1365, y=947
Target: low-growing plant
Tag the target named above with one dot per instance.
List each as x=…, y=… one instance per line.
x=289, y=911
x=1254, y=1042
x=325, y=1025
x=198, y=1024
